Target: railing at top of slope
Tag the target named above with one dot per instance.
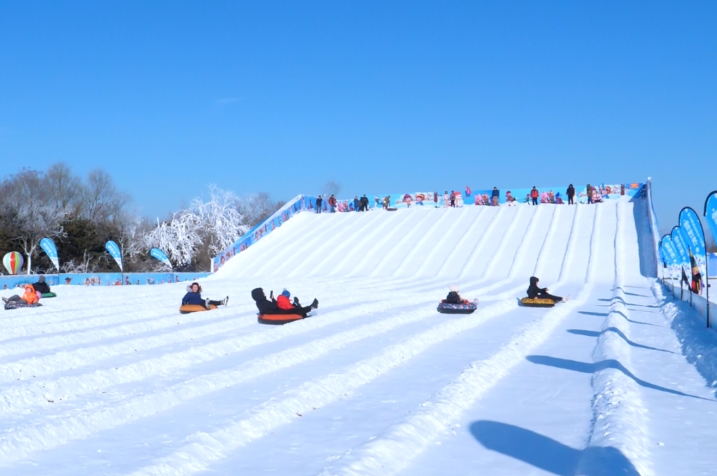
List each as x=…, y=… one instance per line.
x=292, y=207
x=652, y=217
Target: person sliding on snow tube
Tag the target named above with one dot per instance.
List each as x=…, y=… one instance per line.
x=284, y=303
x=41, y=286
x=192, y=301
x=539, y=296
x=271, y=313
x=29, y=299
x=454, y=304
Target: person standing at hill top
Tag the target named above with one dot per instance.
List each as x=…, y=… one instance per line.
x=534, y=194
x=571, y=194
x=495, y=196
x=319, y=201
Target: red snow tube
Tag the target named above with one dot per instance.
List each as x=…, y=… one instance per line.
x=279, y=318
x=188, y=308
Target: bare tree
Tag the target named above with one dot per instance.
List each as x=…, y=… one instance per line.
x=101, y=200
x=64, y=190
x=33, y=216
x=257, y=207
x=332, y=187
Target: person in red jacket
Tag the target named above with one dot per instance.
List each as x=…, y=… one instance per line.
x=332, y=203
x=534, y=195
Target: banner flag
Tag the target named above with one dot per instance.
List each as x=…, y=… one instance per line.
x=115, y=252
x=680, y=247
x=711, y=212
x=670, y=253
x=48, y=246
x=158, y=254
x=692, y=229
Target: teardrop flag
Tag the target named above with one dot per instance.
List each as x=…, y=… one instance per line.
x=48, y=246
x=711, y=212
x=114, y=251
x=158, y=254
x=13, y=262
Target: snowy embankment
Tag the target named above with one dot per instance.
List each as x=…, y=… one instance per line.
x=115, y=381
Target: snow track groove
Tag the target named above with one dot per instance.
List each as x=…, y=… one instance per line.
x=72, y=424
x=206, y=448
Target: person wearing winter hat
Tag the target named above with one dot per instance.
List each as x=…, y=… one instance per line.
x=41, y=286
x=30, y=296
x=283, y=301
x=194, y=296
x=535, y=292
x=266, y=306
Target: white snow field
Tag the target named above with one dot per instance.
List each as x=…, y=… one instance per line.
x=620, y=380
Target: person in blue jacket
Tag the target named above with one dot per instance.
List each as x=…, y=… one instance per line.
x=194, y=296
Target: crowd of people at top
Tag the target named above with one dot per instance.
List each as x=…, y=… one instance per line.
x=456, y=199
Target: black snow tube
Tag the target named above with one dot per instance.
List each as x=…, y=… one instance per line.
x=465, y=308
x=10, y=305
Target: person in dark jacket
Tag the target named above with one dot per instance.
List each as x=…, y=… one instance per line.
x=364, y=203
x=495, y=196
x=590, y=193
x=266, y=306
x=319, y=202
x=194, y=296
x=534, y=292
x=41, y=286
x=571, y=194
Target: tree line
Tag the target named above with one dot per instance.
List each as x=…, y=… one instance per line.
x=82, y=213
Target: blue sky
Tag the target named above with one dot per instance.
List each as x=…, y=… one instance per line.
x=380, y=96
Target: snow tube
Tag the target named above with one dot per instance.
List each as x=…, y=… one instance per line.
x=189, y=308
x=464, y=308
x=278, y=319
x=10, y=305
x=537, y=302
x=48, y=295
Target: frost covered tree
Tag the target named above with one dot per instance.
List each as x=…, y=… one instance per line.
x=200, y=231
x=29, y=211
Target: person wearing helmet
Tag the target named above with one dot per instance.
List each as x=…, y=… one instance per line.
x=266, y=306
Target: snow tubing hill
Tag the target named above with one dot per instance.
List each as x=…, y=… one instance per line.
x=189, y=308
x=537, y=302
x=17, y=305
x=464, y=308
x=48, y=295
x=278, y=319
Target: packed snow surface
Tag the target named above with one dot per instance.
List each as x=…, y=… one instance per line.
x=619, y=380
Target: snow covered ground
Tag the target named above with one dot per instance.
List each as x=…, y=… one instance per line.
x=620, y=380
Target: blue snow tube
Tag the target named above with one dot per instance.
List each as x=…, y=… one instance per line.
x=465, y=308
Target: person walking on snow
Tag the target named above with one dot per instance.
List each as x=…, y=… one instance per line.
x=534, y=194
x=319, y=201
x=495, y=196
x=332, y=203
x=571, y=194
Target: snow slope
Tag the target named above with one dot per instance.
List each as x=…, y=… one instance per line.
x=115, y=381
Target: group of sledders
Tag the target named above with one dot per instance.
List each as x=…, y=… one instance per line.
x=271, y=311
x=537, y=297
x=30, y=297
